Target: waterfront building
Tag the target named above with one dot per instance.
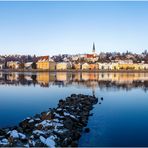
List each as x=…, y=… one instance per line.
x=28, y=65
x=94, y=66
x=77, y=66
x=63, y=66
x=144, y=66
x=2, y=65
x=13, y=64
x=105, y=66
x=125, y=61
x=127, y=66
x=114, y=66
x=52, y=65
x=43, y=63
x=85, y=66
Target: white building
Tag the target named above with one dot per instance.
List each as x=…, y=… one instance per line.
x=28, y=65
x=2, y=66
x=105, y=66
x=85, y=66
x=13, y=64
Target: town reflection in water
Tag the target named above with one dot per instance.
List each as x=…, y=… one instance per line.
x=91, y=80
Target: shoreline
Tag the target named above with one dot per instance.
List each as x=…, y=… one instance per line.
x=75, y=71
x=58, y=127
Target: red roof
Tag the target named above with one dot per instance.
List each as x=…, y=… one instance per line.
x=90, y=56
x=43, y=58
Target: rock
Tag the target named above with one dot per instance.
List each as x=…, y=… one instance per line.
x=46, y=116
x=76, y=135
x=39, y=126
x=2, y=132
x=101, y=98
x=87, y=130
x=68, y=123
x=74, y=144
x=66, y=142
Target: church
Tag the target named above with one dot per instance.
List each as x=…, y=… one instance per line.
x=93, y=56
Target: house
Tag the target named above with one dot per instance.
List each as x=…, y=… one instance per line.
x=125, y=61
x=13, y=64
x=114, y=66
x=63, y=66
x=28, y=65
x=105, y=66
x=144, y=66
x=76, y=66
x=52, y=65
x=2, y=66
x=93, y=66
x=85, y=66
x=43, y=63
x=126, y=66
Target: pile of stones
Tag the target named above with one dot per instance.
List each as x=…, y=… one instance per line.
x=57, y=127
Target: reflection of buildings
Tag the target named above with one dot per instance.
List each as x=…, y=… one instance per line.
x=43, y=79
x=90, y=80
x=61, y=76
x=12, y=76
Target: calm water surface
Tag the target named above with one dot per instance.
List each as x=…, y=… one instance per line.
x=120, y=119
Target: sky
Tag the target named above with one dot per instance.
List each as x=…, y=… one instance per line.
x=49, y=28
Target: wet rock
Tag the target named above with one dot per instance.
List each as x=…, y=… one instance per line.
x=87, y=130
x=2, y=132
x=68, y=123
x=74, y=144
x=101, y=98
x=66, y=142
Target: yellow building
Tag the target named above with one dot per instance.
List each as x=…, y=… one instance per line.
x=85, y=66
x=114, y=66
x=63, y=66
x=126, y=66
x=43, y=63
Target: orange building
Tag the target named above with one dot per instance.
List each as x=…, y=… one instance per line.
x=93, y=66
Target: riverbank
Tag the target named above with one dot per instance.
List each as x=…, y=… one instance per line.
x=57, y=127
x=74, y=71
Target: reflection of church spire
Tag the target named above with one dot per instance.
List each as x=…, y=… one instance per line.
x=93, y=91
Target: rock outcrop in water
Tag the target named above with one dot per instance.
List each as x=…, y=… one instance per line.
x=60, y=127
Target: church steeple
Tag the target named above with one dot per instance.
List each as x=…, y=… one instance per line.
x=94, y=50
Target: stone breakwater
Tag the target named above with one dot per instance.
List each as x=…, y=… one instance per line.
x=57, y=127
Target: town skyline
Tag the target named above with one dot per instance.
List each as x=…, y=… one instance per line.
x=71, y=27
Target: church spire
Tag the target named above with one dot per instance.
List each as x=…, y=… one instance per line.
x=93, y=48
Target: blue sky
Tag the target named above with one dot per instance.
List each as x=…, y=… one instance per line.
x=71, y=27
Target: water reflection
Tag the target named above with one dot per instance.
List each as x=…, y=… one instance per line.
x=125, y=81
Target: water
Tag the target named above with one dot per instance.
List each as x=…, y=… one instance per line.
x=120, y=119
